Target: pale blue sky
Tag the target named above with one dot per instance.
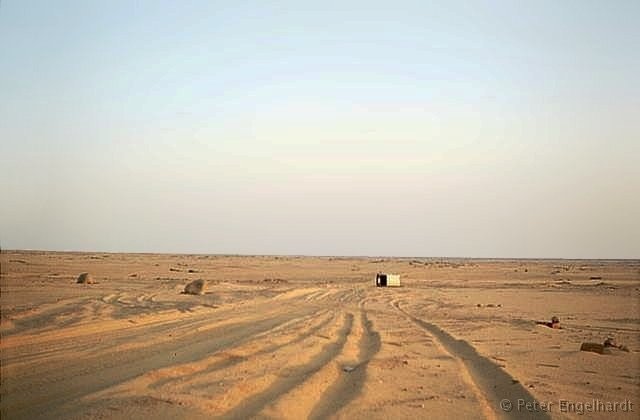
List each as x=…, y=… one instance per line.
x=426, y=128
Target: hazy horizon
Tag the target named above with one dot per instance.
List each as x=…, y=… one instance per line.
x=394, y=257
x=486, y=129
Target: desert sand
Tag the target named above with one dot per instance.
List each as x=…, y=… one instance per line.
x=311, y=337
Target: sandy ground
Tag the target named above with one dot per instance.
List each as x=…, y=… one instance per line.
x=302, y=337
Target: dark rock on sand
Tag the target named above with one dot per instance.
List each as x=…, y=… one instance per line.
x=196, y=287
x=85, y=278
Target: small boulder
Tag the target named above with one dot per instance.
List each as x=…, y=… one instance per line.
x=85, y=278
x=196, y=287
x=595, y=348
x=555, y=323
x=611, y=342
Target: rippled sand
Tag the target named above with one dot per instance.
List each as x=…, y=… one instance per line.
x=302, y=337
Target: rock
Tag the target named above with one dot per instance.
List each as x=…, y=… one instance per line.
x=611, y=342
x=555, y=323
x=595, y=348
x=196, y=287
x=85, y=278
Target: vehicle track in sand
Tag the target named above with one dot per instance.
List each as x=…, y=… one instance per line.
x=347, y=387
x=490, y=383
x=293, y=376
x=263, y=343
x=321, y=386
x=301, y=353
x=84, y=373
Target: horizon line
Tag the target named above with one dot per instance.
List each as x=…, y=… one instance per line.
x=314, y=255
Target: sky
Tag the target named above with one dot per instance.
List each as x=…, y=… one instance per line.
x=425, y=128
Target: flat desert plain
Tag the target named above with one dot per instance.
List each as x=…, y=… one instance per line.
x=310, y=337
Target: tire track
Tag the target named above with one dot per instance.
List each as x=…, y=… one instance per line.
x=490, y=383
x=297, y=375
x=28, y=398
x=349, y=385
x=255, y=341
x=226, y=389
x=91, y=335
